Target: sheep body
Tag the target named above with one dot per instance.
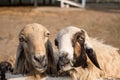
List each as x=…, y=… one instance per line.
x=109, y=60
x=107, y=56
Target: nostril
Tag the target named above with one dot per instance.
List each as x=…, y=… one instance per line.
x=36, y=59
x=44, y=61
x=64, y=54
x=63, y=61
x=43, y=57
x=66, y=61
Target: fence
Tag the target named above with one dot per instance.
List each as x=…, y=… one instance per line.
x=44, y=2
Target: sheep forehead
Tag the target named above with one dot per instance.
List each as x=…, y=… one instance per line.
x=64, y=39
x=34, y=28
x=67, y=33
x=66, y=46
x=71, y=30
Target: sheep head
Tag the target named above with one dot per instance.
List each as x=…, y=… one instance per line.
x=74, y=47
x=34, y=49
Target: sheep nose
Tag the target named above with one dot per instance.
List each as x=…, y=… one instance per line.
x=63, y=60
x=41, y=59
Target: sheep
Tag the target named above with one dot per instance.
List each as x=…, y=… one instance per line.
x=34, y=56
x=86, y=58
x=24, y=66
x=5, y=67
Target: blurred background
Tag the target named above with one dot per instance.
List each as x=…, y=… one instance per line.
x=47, y=2
x=100, y=18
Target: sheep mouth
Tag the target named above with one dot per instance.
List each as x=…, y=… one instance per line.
x=41, y=69
x=66, y=68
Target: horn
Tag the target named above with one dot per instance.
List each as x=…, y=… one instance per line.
x=52, y=67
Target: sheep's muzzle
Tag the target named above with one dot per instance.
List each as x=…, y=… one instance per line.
x=64, y=63
x=40, y=63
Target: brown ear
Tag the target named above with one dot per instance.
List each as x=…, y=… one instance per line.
x=87, y=46
x=20, y=64
x=56, y=42
x=52, y=67
x=80, y=37
x=92, y=56
x=79, y=53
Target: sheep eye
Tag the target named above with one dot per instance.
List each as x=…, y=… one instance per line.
x=47, y=34
x=56, y=42
x=80, y=38
x=22, y=39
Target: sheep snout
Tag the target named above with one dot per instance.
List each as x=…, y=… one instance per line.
x=40, y=63
x=65, y=64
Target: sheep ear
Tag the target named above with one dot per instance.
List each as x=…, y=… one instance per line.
x=81, y=60
x=92, y=56
x=20, y=60
x=86, y=47
x=79, y=53
x=56, y=42
x=52, y=67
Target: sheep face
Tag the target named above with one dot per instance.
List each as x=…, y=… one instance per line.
x=32, y=47
x=74, y=47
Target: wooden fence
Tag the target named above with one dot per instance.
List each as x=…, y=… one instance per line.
x=44, y=2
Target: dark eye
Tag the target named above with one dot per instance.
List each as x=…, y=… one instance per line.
x=81, y=38
x=56, y=42
x=22, y=39
x=47, y=34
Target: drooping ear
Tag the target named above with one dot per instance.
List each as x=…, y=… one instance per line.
x=85, y=49
x=89, y=50
x=20, y=63
x=56, y=42
x=92, y=56
x=52, y=67
x=79, y=53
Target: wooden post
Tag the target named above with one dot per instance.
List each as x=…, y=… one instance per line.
x=9, y=2
x=66, y=3
x=20, y=2
x=50, y=2
x=83, y=3
x=44, y=2
x=35, y=3
x=62, y=4
x=97, y=1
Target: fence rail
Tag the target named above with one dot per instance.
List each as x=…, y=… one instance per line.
x=45, y=2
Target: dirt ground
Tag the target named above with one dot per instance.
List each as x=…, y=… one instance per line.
x=101, y=21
